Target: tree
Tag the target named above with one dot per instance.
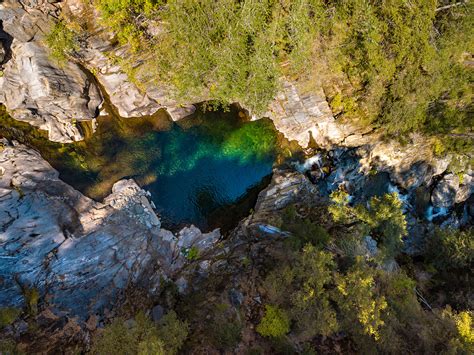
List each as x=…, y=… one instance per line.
x=383, y=219
x=357, y=300
x=62, y=41
x=229, y=50
x=451, y=248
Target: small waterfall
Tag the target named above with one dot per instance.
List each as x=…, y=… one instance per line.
x=403, y=197
x=435, y=212
x=337, y=178
x=309, y=163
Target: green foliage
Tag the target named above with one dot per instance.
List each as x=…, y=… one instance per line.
x=403, y=65
x=32, y=297
x=377, y=310
x=387, y=221
x=462, y=326
x=142, y=336
x=451, y=249
x=310, y=309
x=173, y=332
x=62, y=41
x=465, y=327
x=228, y=334
x=384, y=218
x=303, y=229
x=8, y=315
x=302, y=289
x=228, y=50
x=357, y=299
x=339, y=209
x=8, y=347
x=275, y=323
x=192, y=253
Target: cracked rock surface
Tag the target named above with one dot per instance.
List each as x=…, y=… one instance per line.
x=35, y=88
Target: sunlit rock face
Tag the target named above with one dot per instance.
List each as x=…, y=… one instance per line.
x=34, y=87
x=79, y=254
x=301, y=116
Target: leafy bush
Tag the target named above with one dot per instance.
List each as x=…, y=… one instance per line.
x=275, y=323
x=400, y=65
x=227, y=334
x=227, y=50
x=383, y=218
x=8, y=315
x=192, y=253
x=451, y=249
x=303, y=229
x=142, y=336
x=62, y=41
x=357, y=299
x=32, y=298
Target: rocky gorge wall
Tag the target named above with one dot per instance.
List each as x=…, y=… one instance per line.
x=81, y=255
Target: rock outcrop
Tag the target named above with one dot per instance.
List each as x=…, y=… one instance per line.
x=97, y=51
x=305, y=116
x=35, y=88
x=80, y=255
x=451, y=189
x=302, y=117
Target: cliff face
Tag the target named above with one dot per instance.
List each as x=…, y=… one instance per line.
x=53, y=96
x=36, y=89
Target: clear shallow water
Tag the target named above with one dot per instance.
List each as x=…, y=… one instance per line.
x=206, y=170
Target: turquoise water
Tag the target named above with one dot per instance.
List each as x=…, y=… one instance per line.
x=206, y=169
x=200, y=171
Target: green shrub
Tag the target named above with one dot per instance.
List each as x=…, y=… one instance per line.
x=383, y=219
x=228, y=50
x=303, y=230
x=275, y=323
x=173, y=332
x=227, y=334
x=8, y=347
x=8, y=315
x=401, y=65
x=62, y=41
x=192, y=253
x=142, y=336
x=451, y=249
x=32, y=298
